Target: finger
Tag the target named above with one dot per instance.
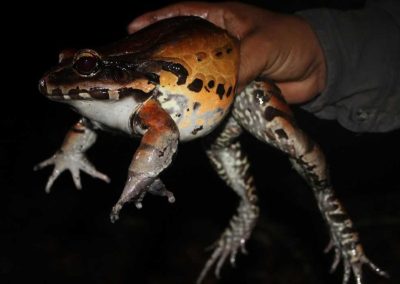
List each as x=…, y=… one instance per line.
x=251, y=66
x=180, y=9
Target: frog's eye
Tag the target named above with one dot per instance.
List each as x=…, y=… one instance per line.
x=87, y=63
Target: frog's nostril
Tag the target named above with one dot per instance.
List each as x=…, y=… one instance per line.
x=42, y=86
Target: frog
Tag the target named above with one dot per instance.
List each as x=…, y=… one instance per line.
x=175, y=81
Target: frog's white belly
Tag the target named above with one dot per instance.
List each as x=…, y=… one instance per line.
x=115, y=114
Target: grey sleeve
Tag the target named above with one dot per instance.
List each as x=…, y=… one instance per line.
x=362, y=50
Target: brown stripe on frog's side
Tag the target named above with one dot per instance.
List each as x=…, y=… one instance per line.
x=150, y=69
x=153, y=78
x=138, y=69
x=140, y=95
x=177, y=69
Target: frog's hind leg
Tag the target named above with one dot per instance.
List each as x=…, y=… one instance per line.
x=225, y=153
x=262, y=111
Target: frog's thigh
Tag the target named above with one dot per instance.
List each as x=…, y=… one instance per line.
x=261, y=110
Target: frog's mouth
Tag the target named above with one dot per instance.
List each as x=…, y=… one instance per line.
x=74, y=93
x=62, y=93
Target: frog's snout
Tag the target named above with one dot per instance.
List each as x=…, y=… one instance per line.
x=43, y=86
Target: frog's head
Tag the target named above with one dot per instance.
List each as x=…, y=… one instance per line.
x=85, y=75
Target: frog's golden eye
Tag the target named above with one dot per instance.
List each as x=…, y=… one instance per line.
x=87, y=63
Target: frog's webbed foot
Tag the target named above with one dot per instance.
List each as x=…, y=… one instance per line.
x=72, y=156
x=134, y=192
x=158, y=188
x=353, y=258
x=74, y=162
x=344, y=239
x=232, y=240
x=155, y=153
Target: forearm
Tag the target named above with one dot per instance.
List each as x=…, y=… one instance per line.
x=363, y=61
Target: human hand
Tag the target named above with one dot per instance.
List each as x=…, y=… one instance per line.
x=280, y=47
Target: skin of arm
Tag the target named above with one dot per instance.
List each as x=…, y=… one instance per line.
x=277, y=46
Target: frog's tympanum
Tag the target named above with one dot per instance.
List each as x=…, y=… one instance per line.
x=175, y=81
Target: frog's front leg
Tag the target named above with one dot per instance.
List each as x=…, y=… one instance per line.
x=72, y=156
x=262, y=111
x=157, y=148
x=231, y=163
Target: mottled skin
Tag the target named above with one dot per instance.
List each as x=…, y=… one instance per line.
x=175, y=81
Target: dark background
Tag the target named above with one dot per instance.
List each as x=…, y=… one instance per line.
x=66, y=237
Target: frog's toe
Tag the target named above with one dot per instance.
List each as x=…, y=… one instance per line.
x=337, y=256
x=59, y=167
x=357, y=268
x=135, y=190
x=74, y=162
x=56, y=172
x=231, y=242
x=158, y=188
x=375, y=268
x=114, y=216
x=45, y=163
x=88, y=168
x=353, y=262
x=226, y=247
